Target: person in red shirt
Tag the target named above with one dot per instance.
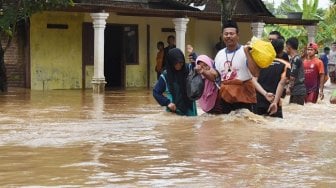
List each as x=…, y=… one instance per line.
x=314, y=74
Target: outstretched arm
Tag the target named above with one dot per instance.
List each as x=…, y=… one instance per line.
x=210, y=74
x=269, y=96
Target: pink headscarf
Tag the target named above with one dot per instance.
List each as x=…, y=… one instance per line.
x=208, y=99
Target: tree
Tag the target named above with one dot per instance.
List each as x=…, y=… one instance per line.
x=310, y=11
x=327, y=27
x=309, y=8
x=227, y=9
x=13, y=12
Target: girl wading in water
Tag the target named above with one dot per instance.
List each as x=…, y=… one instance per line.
x=172, y=82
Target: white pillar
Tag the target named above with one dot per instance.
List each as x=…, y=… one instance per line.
x=311, y=30
x=98, y=106
x=257, y=28
x=99, y=23
x=180, y=29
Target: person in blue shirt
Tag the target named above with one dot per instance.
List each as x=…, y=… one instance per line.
x=170, y=90
x=325, y=59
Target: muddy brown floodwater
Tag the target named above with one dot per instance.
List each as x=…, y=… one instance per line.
x=73, y=138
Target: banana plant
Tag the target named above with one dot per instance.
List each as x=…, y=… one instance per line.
x=309, y=11
x=288, y=31
x=327, y=27
x=309, y=8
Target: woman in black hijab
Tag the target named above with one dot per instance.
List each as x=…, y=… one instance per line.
x=173, y=82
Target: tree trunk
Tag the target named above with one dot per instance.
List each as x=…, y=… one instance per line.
x=227, y=10
x=3, y=75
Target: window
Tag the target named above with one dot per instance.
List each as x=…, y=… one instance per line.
x=131, y=46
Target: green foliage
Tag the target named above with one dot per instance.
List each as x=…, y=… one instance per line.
x=309, y=9
x=326, y=30
x=13, y=11
x=288, y=31
x=327, y=27
x=289, y=6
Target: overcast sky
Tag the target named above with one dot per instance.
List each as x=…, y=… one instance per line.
x=322, y=3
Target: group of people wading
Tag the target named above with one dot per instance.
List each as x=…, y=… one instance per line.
x=233, y=80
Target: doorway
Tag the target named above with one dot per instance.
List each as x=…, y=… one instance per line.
x=114, y=66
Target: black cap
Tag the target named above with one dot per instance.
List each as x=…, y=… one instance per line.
x=230, y=24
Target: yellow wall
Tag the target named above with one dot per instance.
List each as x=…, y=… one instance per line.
x=56, y=54
x=207, y=34
x=136, y=75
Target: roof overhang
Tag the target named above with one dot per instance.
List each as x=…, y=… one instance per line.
x=138, y=10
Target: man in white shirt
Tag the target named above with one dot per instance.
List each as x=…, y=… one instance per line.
x=234, y=68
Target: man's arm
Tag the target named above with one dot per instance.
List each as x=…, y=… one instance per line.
x=321, y=73
x=321, y=86
x=269, y=96
x=252, y=65
x=273, y=108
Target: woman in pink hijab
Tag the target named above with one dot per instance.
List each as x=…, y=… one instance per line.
x=208, y=100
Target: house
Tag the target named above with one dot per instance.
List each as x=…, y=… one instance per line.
x=112, y=43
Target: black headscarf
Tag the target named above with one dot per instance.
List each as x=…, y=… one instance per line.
x=177, y=80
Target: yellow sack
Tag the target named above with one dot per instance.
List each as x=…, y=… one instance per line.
x=262, y=52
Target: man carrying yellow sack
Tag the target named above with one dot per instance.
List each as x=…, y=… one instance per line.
x=234, y=69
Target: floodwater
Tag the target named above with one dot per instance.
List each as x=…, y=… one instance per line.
x=67, y=138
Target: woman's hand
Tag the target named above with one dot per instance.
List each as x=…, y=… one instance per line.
x=199, y=69
x=172, y=107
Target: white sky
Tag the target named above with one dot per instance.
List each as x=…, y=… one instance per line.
x=322, y=3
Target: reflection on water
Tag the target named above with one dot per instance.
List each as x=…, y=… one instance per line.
x=123, y=138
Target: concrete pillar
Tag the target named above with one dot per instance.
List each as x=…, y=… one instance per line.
x=311, y=30
x=257, y=28
x=98, y=106
x=180, y=29
x=99, y=24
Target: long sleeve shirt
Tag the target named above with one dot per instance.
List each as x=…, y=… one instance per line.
x=158, y=90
